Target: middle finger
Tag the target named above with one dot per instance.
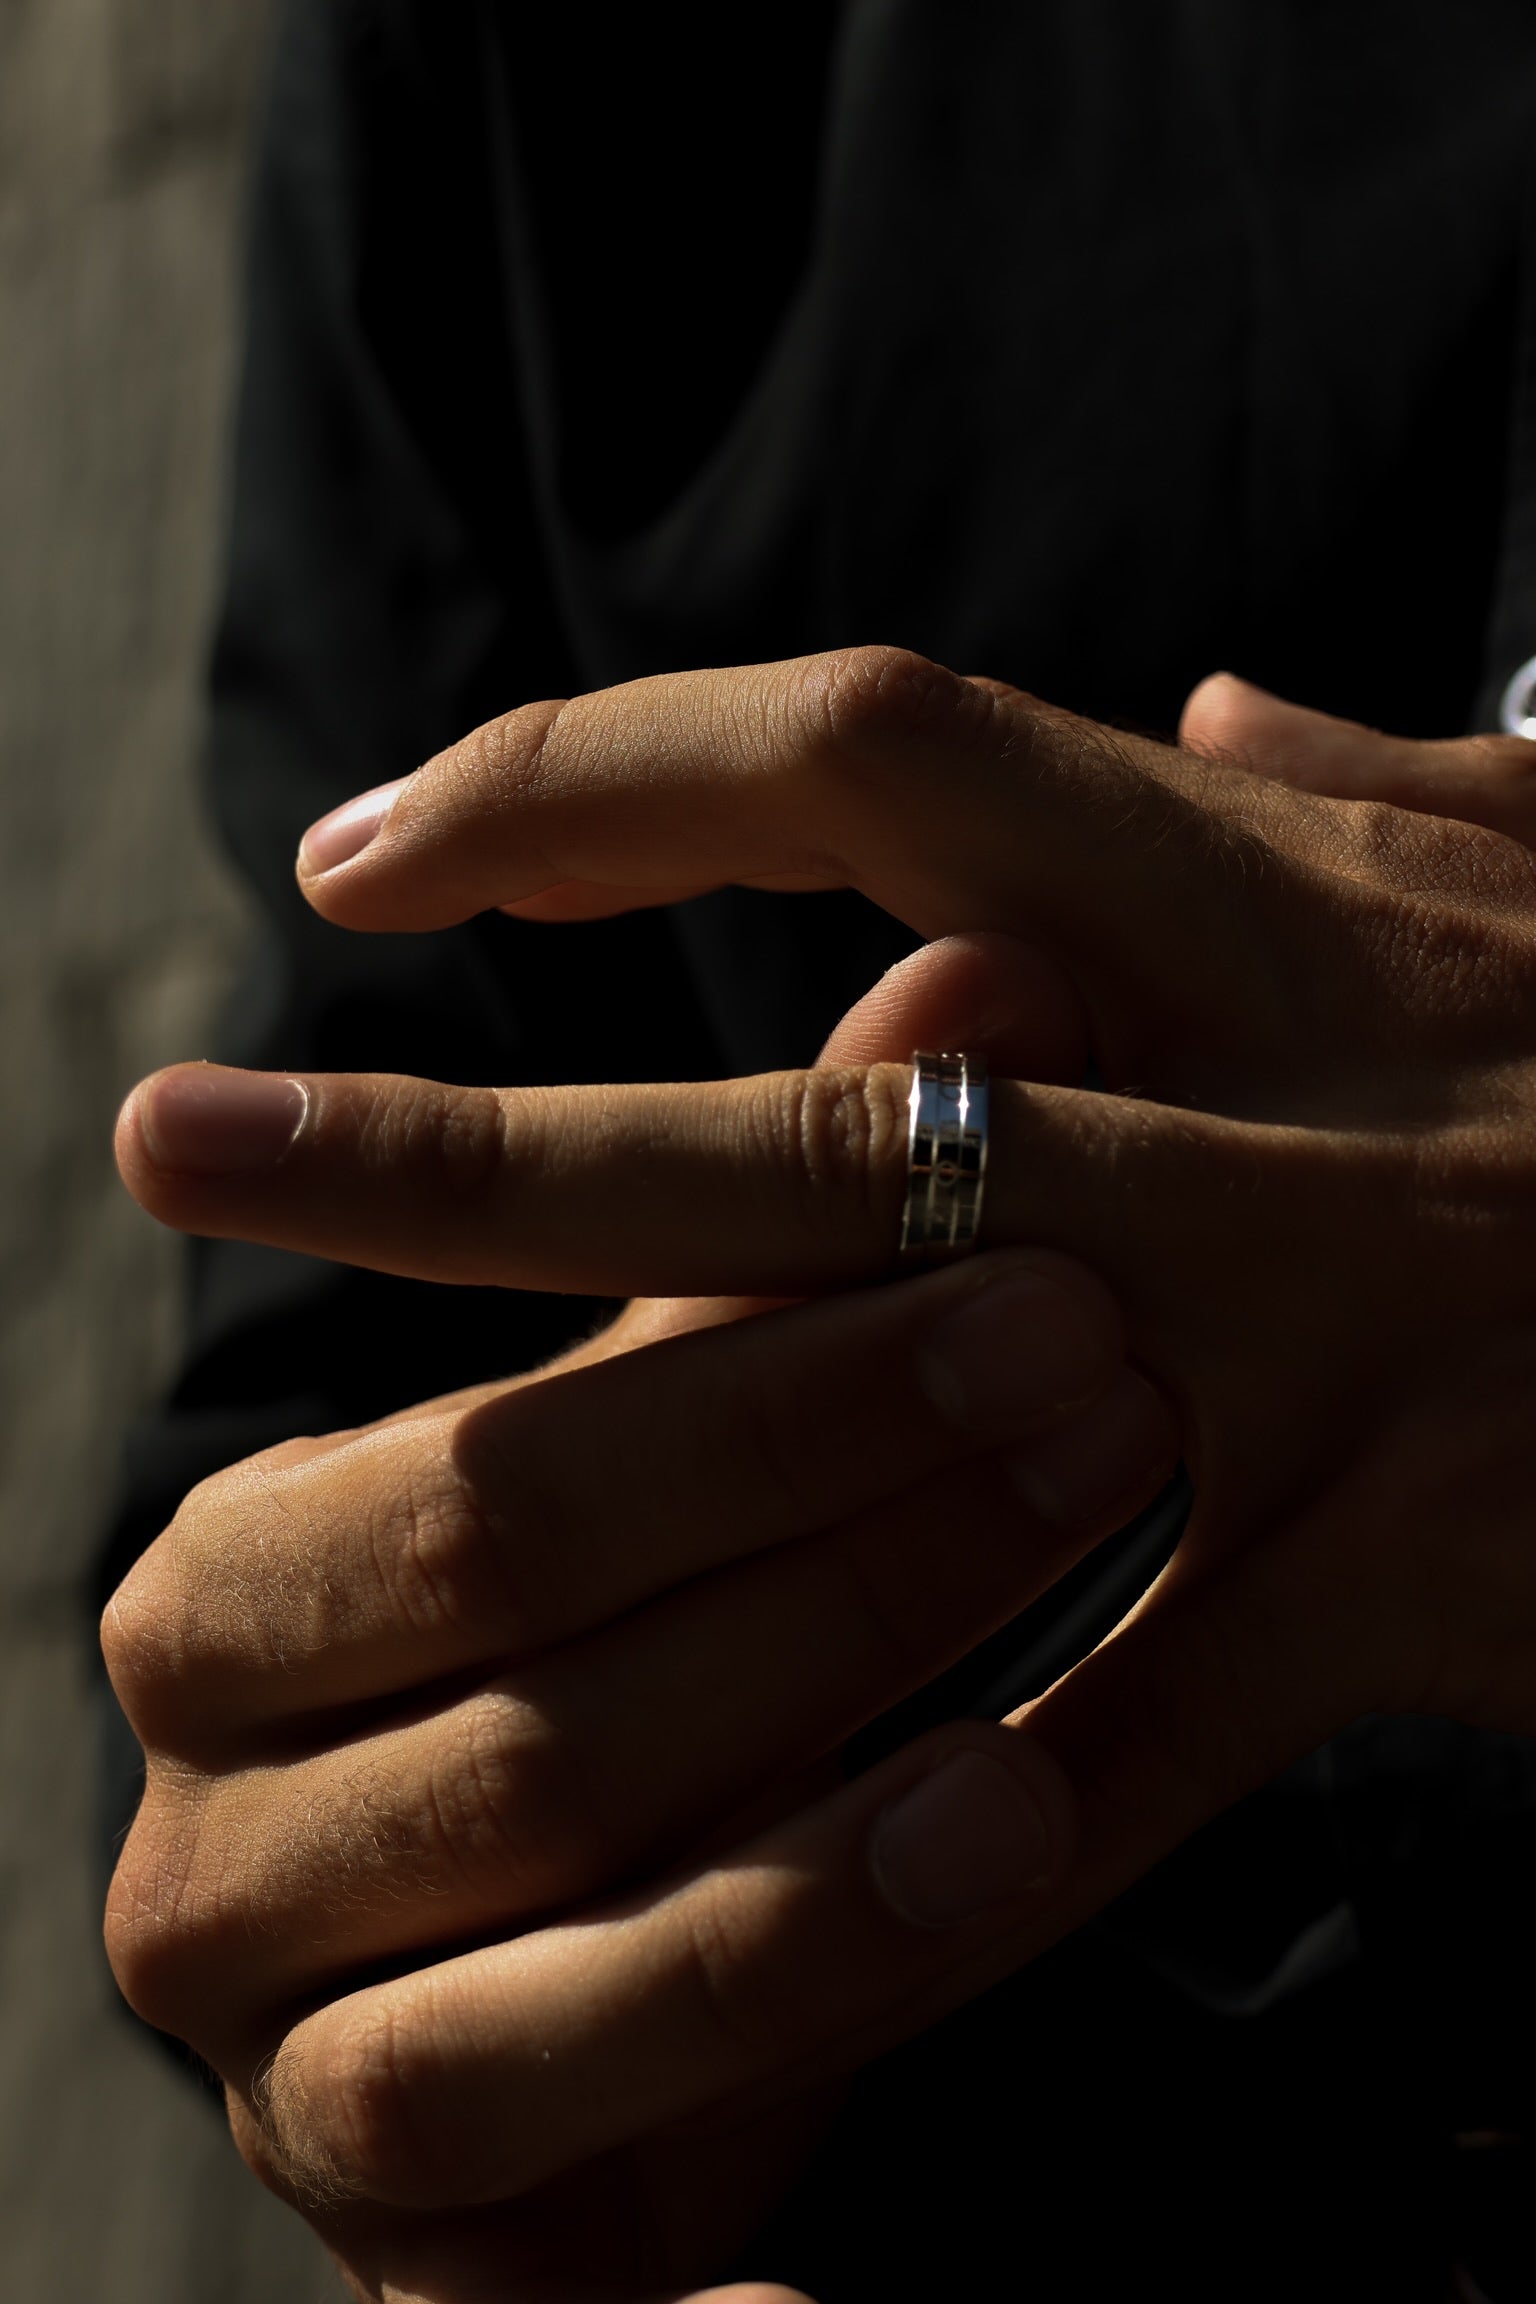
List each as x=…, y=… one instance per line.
x=504, y=1528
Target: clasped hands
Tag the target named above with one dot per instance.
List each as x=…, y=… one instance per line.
x=493, y=1849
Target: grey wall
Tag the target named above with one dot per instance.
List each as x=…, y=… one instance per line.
x=122, y=125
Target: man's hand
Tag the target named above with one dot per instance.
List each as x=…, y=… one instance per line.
x=456, y=1680
x=1309, y=1186
x=1310, y=1183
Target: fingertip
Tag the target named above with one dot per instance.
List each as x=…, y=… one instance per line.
x=982, y=1828
x=749, y=2292
x=1014, y=1341
x=1218, y=706
x=126, y=1135
x=1265, y=733
x=143, y=1179
x=993, y=995
x=208, y=1120
x=1094, y=1303
x=339, y=838
x=1103, y=1465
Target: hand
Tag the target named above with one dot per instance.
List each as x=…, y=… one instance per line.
x=1357, y=1435
x=1310, y=1186
x=450, y=1679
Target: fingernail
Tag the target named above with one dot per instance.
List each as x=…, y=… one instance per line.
x=1116, y=1448
x=202, y=1120
x=346, y=832
x=1018, y=1346
x=967, y=1836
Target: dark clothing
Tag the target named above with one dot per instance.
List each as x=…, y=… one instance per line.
x=1091, y=343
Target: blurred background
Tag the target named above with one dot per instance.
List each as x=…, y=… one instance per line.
x=123, y=133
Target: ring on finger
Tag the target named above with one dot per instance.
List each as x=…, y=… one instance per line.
x=946, y=1157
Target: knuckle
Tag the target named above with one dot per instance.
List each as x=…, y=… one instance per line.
x=510, y=1564
x=837, y=1135
x=503, y=1811
x=1450, y=961
x=748, y=2005
x=866, y=698
x=352, y=2107
x=451, y=1142
x=1414, y=856
x=1374, y=839
x=439, y=1554
x=141, y=1644
x=1474, y=861
x=216, y=1593
x=1493, y=868
x=161, y=1910
x=170, y=1618
x=509, y=754
x=338, y=2107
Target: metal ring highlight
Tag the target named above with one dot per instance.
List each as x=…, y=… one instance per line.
x=946, y=1157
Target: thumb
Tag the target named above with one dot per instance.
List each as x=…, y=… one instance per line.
x=988, y=994
x=1221, y=1678
x=1489, y=780
x=754, y=2292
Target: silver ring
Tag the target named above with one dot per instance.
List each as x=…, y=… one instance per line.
x=1517, y=705
x=946, y=1157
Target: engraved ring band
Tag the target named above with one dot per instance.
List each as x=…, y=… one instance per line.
x=946, y=1158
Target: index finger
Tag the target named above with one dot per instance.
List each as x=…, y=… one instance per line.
x=946, y=801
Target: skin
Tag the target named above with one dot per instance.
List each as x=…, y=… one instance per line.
x=1306, y=1185
x=718, y=1512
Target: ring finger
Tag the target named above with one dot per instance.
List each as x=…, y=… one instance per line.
x=785, y=1184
